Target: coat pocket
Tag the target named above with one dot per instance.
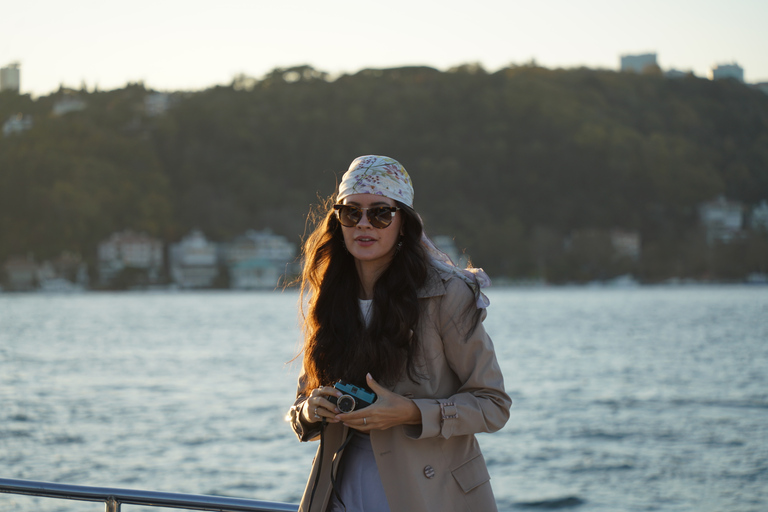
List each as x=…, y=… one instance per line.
x=471, y=474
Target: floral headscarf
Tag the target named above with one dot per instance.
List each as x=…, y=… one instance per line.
x=378, y=175
x=384, y=176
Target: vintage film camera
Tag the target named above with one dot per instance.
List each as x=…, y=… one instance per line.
x=353, y=397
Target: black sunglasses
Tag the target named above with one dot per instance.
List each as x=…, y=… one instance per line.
x=379, y=216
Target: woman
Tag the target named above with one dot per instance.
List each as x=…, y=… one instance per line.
x=388, y=312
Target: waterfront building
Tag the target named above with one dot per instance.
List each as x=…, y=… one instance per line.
x=759, y=217
x=194, y=261
x=128, y=250
x=721, y=219
x=255, y=273
x=258, y=259
x=66, y=273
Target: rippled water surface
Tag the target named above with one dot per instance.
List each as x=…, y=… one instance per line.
x=625, y=399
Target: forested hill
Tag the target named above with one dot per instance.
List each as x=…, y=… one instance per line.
x=510, y=163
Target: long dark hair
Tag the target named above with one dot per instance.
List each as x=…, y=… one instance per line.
x=337, y=343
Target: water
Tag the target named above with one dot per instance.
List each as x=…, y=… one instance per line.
x=625, y=399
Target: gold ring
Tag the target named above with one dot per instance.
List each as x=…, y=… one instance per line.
x=316, y=415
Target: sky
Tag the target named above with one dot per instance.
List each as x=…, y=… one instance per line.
x=174, y=45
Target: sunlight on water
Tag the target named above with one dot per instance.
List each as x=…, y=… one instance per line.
x=641, y=399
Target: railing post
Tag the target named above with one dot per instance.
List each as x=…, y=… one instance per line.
x=112, y=505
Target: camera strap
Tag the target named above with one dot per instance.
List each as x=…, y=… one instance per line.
x=320, y=465
x=333, y=477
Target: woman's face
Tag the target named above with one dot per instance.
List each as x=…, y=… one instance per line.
x=366, y=243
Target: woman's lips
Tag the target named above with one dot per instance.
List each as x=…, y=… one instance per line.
x=365, y=241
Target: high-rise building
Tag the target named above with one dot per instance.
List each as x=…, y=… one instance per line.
x=10, y=77
x=721, y=71
x=638, y=63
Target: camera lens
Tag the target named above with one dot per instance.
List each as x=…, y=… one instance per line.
x=346, y=403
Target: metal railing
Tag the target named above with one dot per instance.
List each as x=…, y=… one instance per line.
x=113, y=498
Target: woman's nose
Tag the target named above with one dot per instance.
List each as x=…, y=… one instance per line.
x=364, y=222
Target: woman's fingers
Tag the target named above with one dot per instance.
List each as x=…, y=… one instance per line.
x=319, y=391
x=319, y=407
x=388, y=411
x=358, y=422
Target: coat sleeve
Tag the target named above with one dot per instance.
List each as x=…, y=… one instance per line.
x=480, y=402
x=304, y=431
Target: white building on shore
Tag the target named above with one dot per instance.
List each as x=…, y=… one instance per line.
x=722, y=220
x=258, y=260
x=759, y=217
x=130, y=250
x=194, y=261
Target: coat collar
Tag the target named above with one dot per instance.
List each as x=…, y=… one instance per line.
x=433, y=286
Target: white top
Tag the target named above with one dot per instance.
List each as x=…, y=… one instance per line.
x=365, y=309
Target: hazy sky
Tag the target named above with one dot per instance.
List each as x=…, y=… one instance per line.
x=187, y=45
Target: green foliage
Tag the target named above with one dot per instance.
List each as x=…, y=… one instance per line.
x=70, y=181
x=510, y=163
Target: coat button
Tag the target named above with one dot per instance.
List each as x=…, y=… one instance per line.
x=429, y=472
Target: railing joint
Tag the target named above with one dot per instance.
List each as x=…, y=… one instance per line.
x=112, y=505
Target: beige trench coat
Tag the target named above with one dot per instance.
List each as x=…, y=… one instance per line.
x=436, y=466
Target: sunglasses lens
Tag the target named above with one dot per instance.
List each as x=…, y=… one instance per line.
x=380, y=217
x=349, y=216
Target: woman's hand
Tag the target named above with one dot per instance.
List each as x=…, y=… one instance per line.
x=389, y=410
x=318, y=407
